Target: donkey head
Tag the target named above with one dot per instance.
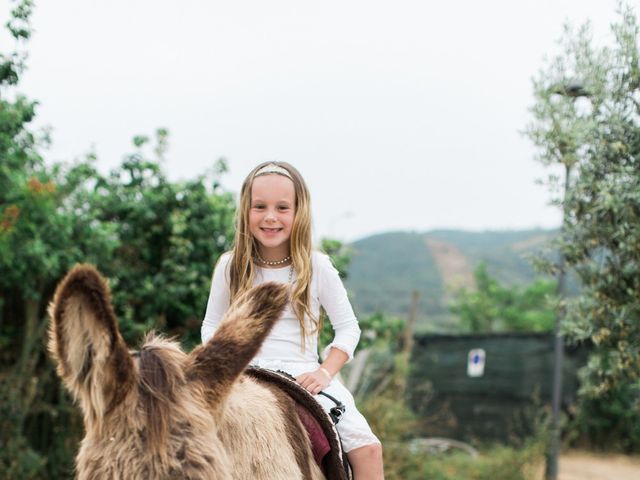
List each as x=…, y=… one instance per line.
x=151, y=413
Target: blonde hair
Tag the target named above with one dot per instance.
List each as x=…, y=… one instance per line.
x=242, y=268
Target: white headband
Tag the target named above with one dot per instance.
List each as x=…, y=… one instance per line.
x=272, y=168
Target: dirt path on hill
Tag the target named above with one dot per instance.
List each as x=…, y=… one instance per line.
x=593, y=466
x=453, y=265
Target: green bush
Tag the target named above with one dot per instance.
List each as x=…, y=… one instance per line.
x=391, y=419
x=609, y=422
x=497, y=463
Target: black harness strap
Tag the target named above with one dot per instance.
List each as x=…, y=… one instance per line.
x=337, y=411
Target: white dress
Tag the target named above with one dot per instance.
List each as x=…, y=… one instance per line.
x=282, y=351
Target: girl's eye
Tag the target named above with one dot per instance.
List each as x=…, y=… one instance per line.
x=258, y=207
x=283, y=208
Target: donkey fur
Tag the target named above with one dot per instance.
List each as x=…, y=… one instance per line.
x=163, y=414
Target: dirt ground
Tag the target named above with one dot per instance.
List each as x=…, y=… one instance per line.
x=591, y=466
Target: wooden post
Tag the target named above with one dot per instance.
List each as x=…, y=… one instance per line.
x=407, y=344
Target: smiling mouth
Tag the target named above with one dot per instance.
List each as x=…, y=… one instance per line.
x=270, y=230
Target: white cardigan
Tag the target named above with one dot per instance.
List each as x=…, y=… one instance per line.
x=283, y=343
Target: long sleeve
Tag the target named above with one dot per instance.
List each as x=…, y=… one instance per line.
x=218, y=302
x=333, y=297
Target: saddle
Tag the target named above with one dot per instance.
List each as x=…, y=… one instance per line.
x=320, y=426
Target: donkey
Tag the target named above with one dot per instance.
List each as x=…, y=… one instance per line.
x=160, y=413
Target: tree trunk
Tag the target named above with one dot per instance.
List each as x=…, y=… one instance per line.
x=33, y=329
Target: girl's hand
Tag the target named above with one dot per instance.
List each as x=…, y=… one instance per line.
x=316, y=381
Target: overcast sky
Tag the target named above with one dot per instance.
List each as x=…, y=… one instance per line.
x=401, y=115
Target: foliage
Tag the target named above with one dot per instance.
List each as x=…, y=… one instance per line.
x=495, y=463
x=388, y=414
x=610, y=421
x=379, y=329
x=340, y=254
x=493, y=307
x=37, y=243
x=592, y=129
x=169, y=237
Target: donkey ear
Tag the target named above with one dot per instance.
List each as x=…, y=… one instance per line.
x=92, y=358
x=245, y=326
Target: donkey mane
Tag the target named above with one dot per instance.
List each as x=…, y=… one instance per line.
x=160, y=378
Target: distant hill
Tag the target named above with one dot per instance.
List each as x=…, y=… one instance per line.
x=387, y=267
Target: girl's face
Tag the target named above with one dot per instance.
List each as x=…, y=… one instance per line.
x=271, y=214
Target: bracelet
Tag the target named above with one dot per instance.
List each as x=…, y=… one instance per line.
x=326, y=372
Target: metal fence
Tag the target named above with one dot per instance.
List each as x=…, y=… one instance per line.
x=487, y=386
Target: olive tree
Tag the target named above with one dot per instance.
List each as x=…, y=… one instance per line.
x=587, y=122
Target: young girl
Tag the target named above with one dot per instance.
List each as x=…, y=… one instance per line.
x=273, y=243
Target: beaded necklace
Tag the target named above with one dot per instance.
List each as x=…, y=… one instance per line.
x=272, y=262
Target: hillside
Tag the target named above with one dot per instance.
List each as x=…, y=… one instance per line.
x=387, y=267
